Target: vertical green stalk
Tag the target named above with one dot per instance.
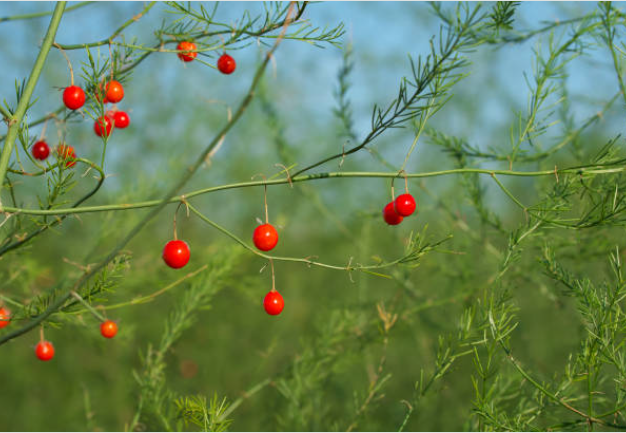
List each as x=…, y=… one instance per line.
x=16, y=119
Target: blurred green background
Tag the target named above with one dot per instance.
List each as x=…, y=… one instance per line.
x=322, y=352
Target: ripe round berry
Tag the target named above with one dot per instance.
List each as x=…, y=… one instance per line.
x=66, y=153
x=404, y=205
x=226, y=64
x=265, y=237
x=108, y=329
x=40, y=150
x=5, y=317
x=176, y=254
x=273, y=303
x=73, y=97
x=186, y=56
x=115, y=92
x=44, y=350
x=390, y=215
x=102, y=126
x=121, y=119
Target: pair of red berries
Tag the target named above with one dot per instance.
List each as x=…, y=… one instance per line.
x=114, y=92
x=176, y=253
x=45, y=350
x=395, y=211
x=41, y=151
x=74, y=96
x=225, y=64
x=104, y=125
x=265, y=238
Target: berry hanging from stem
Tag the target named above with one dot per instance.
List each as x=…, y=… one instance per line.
x=265, y=236
x=73, y=96
x=273, y=301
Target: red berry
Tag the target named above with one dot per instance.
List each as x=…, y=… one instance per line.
x=176, y=254
x=265, y=237
x=73, y=97
x=108, y=329
x=404, y=205
x=226, y=64
x=390, y=215
x=186, y=56
x=273, y=303
x=40, y=150
x=99, y=96
x=114, y=92
x=121, y=119
x=5, y=317
x=103, y=126
x=66, y=153
x=44, y=350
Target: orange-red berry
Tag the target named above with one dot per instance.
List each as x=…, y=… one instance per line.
x=114, y=92
x=108, y=329
x=176, y=254
x=273, y=303
x=121, y=119
x=226, y=64
x=44, y=350
x=73, y=97
x=187, y=46
x=265, y=237
x=390, y=216
x=40, y=150
x=5, y=317
x=404, y=205
x=66, y=153
x=103, y=126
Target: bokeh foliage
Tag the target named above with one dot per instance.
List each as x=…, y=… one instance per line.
x=510, y=317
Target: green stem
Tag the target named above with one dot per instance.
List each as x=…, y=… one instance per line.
x=42, y=14
x=7, y=116
x=16, y=120
x=4, y=249
x=116, y=33
x=88, y=307
x=590, y=170
x=196, y=37
x=41, y=119
x=153, y=296
x=247, y=394
x=307, y=261
x=547, y=393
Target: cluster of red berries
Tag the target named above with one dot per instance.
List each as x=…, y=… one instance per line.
x=113, y=92
x=44, y=350
x=176, y=254
x=74, y=98
x=403, y=206
x=225, y=64
x=41, y=151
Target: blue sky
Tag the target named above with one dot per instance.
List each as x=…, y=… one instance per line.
x=383, y=35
